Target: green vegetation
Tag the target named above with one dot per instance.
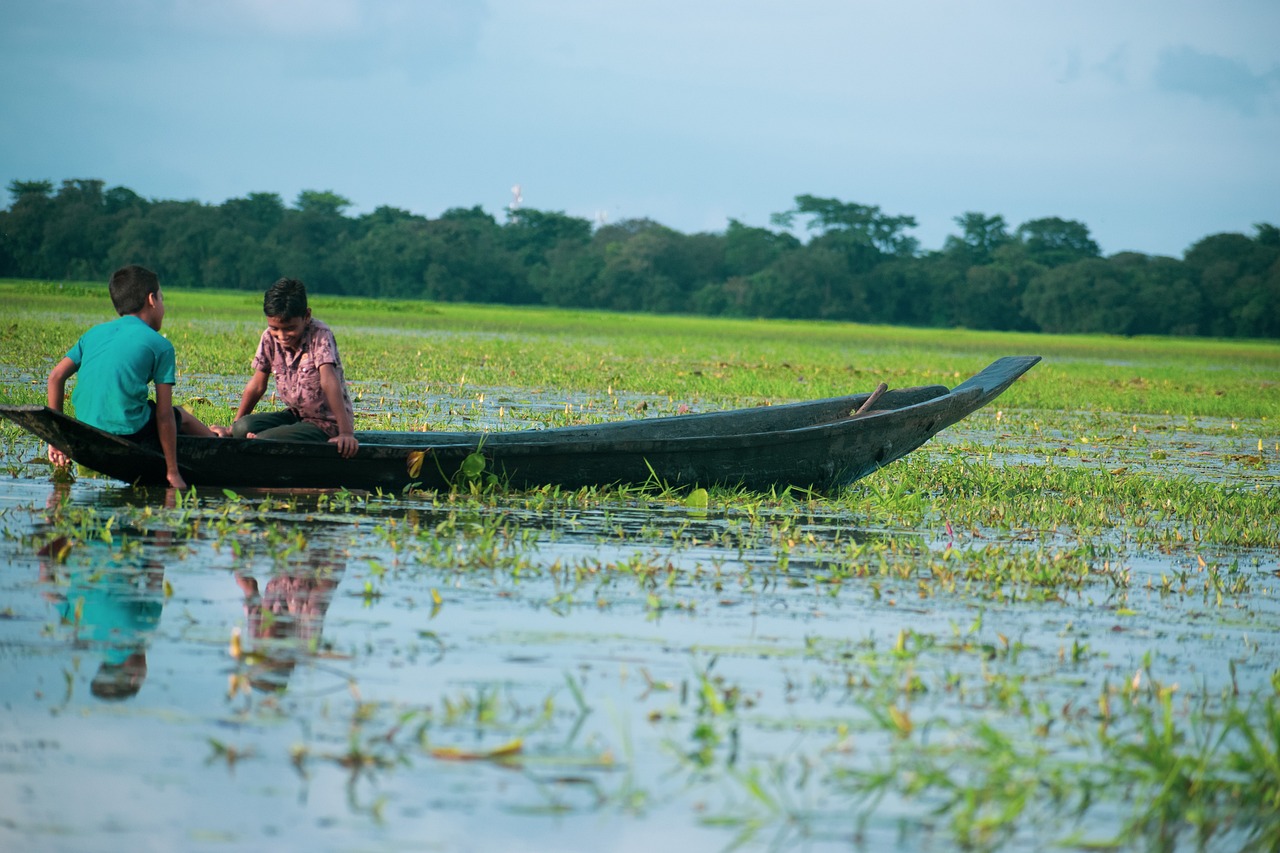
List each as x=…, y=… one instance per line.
x=391, y=348
x=858, y=263
x=1054, y=625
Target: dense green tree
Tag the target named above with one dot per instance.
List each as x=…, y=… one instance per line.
x=78, y=229
x=816, y=283
x=569, y=278
x=392, y=258
x=22, y=229
x=909, y=292
x=1053, y=242
x=858, y=263
x=175, y=244
x=1163, y=294
x=982, y=236
x=1240, y=278
x=862, y=223
x=257, y=214
x=466, y=261
x=531, y=234
x=748, y=250
x=1085, y=296
x=310, y=237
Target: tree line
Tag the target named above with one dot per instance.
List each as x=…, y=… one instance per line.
x=856, y=263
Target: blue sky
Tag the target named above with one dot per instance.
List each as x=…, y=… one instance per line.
x=1154, y=122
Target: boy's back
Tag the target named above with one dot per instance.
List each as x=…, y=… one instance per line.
x=117, y=362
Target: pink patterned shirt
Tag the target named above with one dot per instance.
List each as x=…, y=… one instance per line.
x=297, y=374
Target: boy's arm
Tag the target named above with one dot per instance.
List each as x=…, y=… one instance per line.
x=253, y=391
x=57, y=395
x=331, y=386
x=168, y=432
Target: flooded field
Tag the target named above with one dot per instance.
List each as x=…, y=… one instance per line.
x=1039, y=630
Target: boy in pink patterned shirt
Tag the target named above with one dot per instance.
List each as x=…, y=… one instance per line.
x=303, y=354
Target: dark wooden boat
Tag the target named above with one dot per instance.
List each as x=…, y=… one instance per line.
x=821, y=444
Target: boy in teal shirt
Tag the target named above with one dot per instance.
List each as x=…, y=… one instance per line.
x=117, y=362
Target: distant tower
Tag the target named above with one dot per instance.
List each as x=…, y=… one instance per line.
x=516, y=200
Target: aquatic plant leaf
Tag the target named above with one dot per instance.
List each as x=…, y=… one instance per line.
x=697, y=499
x=416, y=458
x=473, y=466
x=900, y=720
x=453, y=753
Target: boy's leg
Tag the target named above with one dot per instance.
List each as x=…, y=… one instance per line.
x=260, y=421
x=149, y=434
x=296, y=431
x=189, y=424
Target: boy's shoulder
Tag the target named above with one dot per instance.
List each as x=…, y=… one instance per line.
x=320, y=330
x=127, y=327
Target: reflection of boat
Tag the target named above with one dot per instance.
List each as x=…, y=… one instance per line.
x=820, y=444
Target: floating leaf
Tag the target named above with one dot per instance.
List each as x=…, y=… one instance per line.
x=900, y=720
x=453, y=753
x=697, y=499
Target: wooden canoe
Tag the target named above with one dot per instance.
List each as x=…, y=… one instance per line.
x=819, y=444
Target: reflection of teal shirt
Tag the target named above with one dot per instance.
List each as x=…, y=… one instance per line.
x=117, y=362
x=115, y=618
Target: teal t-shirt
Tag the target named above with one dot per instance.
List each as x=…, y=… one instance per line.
x=117, y=362
x=113, y=617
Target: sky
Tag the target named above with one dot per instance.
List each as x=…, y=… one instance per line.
x=1156, y=123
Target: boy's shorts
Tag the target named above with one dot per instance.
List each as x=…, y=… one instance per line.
x=149, y=434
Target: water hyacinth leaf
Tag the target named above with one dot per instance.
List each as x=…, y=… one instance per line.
x=697, y=499
x=473, y=465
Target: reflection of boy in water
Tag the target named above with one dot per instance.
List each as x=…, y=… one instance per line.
x=291, y=609
x=114, y=611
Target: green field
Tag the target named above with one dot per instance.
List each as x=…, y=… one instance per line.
x=1056, y=624
x=413, y=345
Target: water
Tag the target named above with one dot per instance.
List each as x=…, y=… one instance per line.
x=416, y=672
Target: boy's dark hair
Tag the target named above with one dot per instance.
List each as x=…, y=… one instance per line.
x=285, y=299
x=130, y=286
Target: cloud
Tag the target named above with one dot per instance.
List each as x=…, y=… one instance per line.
x=1217, y=79
x=335, y=39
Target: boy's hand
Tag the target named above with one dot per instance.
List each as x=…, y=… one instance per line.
x=220, y=431
x=57, y=457
x=347, y=445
